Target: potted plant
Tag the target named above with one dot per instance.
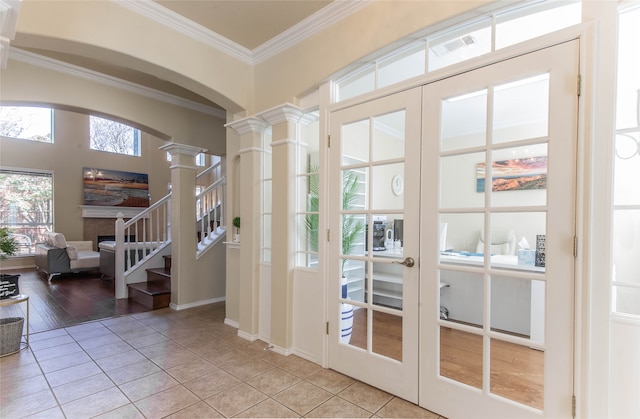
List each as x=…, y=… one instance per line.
x=236, y=224
x=352, y=228
x=8, y=247
x=8, y=244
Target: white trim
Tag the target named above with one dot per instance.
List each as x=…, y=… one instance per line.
x=94, y=76
x=231, y=323
x=283, y=142
x=247, y=336
x=280, y=350
x=329, y=15
x=179, y=23
x=197, y=303
x=251, y=149
x=95, y=211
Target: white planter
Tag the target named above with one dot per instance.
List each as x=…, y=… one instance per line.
x=346, y=322
x=236, y=238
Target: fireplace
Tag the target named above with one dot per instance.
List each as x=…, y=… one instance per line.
x=112, y=238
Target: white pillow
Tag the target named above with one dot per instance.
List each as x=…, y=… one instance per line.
x=72, y=251
x=58, y=240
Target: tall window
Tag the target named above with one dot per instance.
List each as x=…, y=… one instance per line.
x=27, y=123
x=308, y=196
x=626, y=196
x=114, y=137
x=267, y=182
x=26, y=206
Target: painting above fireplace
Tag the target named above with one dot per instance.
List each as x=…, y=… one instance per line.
x=115, y=188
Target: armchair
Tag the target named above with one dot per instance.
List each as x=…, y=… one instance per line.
x=503, y=242
x=57, y=256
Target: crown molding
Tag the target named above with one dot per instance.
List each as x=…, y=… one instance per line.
x=334, y=12
x=169, y=18
x=318, y=21
x=80, y=72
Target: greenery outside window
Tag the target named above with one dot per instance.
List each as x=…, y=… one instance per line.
x=27, y=123
x=114, y=137
x=26, y=206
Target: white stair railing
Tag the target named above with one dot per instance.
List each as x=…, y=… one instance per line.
x=210, y=214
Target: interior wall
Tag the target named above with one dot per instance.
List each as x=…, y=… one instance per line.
x=67, y=156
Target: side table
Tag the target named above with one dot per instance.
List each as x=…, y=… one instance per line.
x=17, y=299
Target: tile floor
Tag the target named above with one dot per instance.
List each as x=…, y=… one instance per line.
x=177, y=364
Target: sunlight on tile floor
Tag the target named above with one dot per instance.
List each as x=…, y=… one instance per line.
x=175, y=364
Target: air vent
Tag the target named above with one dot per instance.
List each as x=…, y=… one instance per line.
x=455, y=44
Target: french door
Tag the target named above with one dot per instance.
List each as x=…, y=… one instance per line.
x=375, y=161
x=470, y=312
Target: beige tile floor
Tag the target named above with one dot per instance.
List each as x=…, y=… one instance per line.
x=177, y=364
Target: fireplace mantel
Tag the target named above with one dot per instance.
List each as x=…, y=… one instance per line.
x=95, y=211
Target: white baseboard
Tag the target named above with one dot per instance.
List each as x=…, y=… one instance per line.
x=232, y=323
x=197, y=303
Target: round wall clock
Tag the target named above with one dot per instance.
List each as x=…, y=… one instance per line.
x=397, y=184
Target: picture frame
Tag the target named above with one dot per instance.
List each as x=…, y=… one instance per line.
x=528, y=173
x=115, y=188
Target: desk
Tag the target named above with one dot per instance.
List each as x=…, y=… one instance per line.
x=17, y=299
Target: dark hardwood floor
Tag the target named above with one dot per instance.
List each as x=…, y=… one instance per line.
x=68, y=300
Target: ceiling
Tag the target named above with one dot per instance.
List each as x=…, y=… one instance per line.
x=249, y=23
x=245, y=24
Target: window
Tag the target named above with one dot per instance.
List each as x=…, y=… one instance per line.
x=114, y=137
x=460, y=43
x=201, y=160
x=26, y=206
x=308, y=194
x=27, y=123
x=626, y=190
x=267, y=182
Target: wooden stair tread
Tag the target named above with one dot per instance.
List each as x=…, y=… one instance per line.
x=156, y=287
x=164, y=272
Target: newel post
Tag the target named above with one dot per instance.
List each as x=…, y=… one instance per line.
x=121, y=283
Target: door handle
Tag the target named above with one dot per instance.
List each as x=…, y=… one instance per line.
x=408, y=262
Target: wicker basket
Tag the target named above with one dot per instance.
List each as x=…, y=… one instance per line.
x=10, y=334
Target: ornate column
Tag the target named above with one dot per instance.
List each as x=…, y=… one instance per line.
x=249, y=184
x=183, y=219
x=284, y=121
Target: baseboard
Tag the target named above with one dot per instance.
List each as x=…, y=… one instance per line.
x=232, y=323
x=247, y=336
x=196, y=304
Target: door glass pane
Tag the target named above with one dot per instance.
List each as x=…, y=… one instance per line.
x=387, y=285
x=521, y=109
x=460, y=237
x=462, y=181
x=512, y=305
x=515, y=237
x=353, y=325
x=517, y=373
x=387, y=335
x=353, y=280
x=354, y=189
x=355, y=142
x=461, y=297
x=388, y=187
x=519, y=176
x=464, y=121
x=388, y=136
x=461, y=356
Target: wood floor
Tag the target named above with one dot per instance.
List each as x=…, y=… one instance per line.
x=68, y=300
x=517, y=372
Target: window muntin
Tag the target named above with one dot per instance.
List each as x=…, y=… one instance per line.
x=114, y=137
x=27, y=123
x=626, y=190
x=308, y=195
x=26, y=206
x=266, y=210
x=459, y=43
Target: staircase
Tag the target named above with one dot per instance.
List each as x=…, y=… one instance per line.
x=156, y=292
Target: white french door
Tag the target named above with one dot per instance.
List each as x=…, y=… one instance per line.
x=375, y=158
x=466, y=171
x=499, y=165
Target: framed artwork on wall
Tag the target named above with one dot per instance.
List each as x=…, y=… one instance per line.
x=514, y=175
x=115, y=188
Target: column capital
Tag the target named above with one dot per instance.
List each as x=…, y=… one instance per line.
x=282, y=113
x=248, y=125
x=176, y=149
